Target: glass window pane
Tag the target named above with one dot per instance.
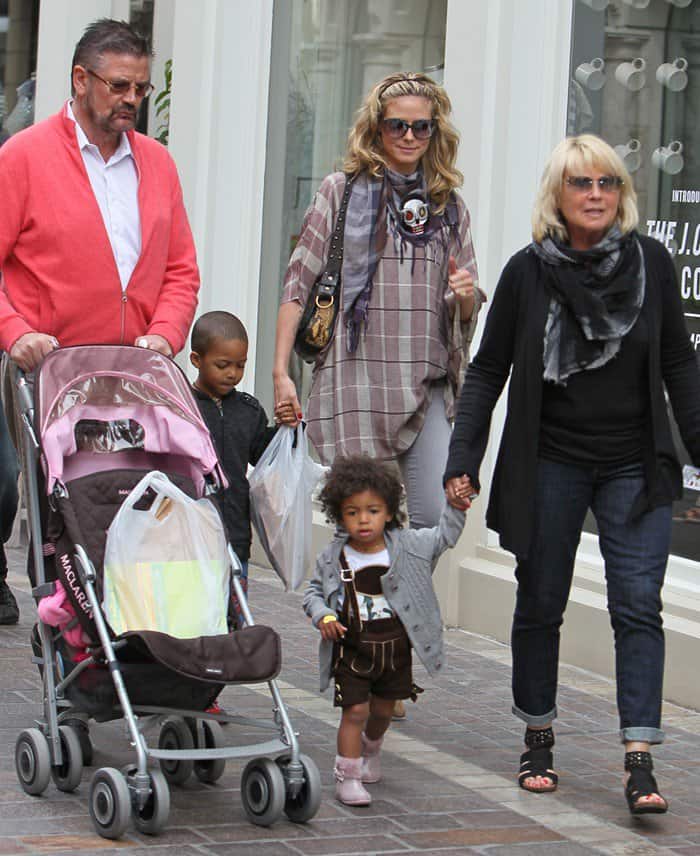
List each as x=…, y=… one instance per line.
x=19, y=23
x=635, y=81
x=326, y=54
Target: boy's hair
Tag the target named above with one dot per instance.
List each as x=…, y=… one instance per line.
x=355, y=474
x=216, y=325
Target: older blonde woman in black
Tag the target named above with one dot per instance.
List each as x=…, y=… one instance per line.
x=588, y=320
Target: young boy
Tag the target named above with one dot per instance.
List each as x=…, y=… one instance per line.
x=236, y=420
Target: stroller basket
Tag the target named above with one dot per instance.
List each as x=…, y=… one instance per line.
x=101, y=418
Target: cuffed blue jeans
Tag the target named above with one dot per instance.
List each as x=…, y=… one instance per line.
x=635, y=553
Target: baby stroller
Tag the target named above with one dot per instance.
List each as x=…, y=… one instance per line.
x=99, y=419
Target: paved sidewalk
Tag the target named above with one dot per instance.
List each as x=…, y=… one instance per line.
x=449, y=784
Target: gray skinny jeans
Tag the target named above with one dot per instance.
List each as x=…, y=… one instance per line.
x=423, y=464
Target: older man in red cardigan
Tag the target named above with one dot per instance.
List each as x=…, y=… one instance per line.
x=95, y=246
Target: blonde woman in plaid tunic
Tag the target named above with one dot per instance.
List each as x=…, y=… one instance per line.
x=387, y=383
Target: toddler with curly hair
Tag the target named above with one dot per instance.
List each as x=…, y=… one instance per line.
x=372, y=599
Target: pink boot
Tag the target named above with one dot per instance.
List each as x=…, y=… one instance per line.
x=371, y=765
x=348, y=784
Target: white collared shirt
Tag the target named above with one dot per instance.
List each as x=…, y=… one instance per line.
x=115, y=185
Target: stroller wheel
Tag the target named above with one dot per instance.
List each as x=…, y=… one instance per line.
x=83, y=732
x=211, y=771
x=303, y=805
x=151, y=819
x=33, y=761
x=174, y=734
x=109, y=802
x=66, y=776
x=262, y=791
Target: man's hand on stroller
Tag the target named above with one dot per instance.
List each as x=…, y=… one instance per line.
x=155, y=343
x=31, y=348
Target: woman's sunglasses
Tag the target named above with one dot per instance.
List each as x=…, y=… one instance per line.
x=396, y=128
x=584, y=183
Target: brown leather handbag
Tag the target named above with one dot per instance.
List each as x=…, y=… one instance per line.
x=318, y=320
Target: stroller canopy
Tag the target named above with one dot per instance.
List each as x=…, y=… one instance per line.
x=132, y=402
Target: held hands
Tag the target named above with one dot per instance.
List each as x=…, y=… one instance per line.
x=154, y=343
x=331, y=629
x=31, y=348
x=462, y=284
x=460, y=493
x=287, y=407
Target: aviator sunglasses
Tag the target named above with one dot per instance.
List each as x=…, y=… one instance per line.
x=396, y=128
x=121, y=87
x=584, y=183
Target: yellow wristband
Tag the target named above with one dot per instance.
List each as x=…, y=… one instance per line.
x=328, y=618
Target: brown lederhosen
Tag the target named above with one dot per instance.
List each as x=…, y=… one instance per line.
x=374, y=657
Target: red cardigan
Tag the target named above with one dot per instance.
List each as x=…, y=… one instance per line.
x=58, y=269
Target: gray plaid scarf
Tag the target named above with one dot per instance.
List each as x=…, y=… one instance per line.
x=596, y=298
x=372, y=213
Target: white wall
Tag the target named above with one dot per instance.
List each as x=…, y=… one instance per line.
x=218, y=122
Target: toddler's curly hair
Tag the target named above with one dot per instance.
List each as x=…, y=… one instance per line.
x=353, y=474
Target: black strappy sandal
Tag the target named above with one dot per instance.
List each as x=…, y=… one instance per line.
x=538, y=760
x=642, y=783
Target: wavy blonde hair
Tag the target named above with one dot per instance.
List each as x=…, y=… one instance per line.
x=364, y=148
x=576, y=155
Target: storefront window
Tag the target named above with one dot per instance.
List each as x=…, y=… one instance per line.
x=141, y=19
x=326, y=54
x=19, y=22
x=635, y=81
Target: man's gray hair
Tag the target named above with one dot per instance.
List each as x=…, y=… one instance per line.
x=108, y=36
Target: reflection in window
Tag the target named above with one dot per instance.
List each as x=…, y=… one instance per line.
x=326, y=54
x=635, y=81
x=19, y=22
x=141, y=19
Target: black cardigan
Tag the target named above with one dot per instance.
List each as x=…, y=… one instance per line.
x=513, y=338
x=241, y=434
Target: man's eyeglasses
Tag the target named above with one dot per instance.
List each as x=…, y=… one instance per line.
x=584, y=183
x=122, y=87
x=397, y=128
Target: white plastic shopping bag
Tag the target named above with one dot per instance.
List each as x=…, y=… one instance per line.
x=281, y=486
x=166, y=566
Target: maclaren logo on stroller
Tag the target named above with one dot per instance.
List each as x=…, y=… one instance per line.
x=72, y=582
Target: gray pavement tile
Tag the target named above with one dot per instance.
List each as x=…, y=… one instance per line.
x=262, y=849
x=245, y=831
x=478, y=836
x=355, y=844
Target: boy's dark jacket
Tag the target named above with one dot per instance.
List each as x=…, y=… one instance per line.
x=241, y=434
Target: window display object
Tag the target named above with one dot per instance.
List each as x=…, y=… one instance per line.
x=631, y=154
x=631, y=74
x=673, y=75
x=596, y=5
x=669, y=159
x=591, y=74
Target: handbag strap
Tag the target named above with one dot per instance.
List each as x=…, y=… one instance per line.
x=329, y=280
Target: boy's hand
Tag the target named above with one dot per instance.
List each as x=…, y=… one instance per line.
x=285, y=414
x=460, y=493
x=331, y=629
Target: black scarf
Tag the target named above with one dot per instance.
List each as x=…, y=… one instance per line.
x=596, y=298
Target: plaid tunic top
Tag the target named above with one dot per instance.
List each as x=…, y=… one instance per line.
x=375, y=399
